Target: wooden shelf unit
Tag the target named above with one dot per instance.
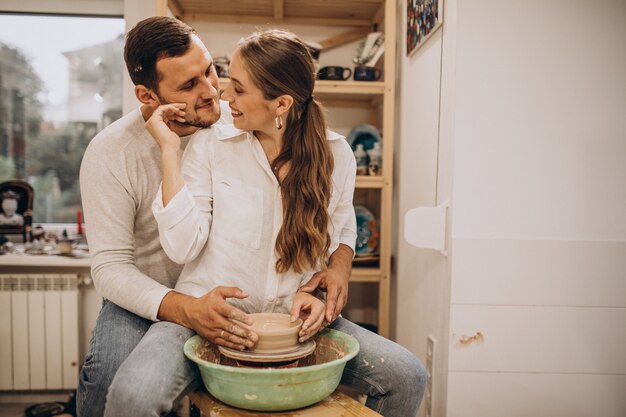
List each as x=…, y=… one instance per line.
x=363, y=91
x=378, y=96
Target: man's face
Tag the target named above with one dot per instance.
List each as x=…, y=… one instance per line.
x=191, y=79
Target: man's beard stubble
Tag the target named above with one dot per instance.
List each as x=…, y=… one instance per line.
x=197, y=122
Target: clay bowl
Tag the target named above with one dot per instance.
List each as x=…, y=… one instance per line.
x=315, y=378
x=276, y=332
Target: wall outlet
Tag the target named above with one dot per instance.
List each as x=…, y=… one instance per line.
x=430, y=369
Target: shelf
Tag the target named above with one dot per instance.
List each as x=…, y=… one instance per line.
x=355, y=13
x=366, y=275
x=375, y=99
x=365, y=181
x=340, y=90
x=349, y=90
x=13, y=263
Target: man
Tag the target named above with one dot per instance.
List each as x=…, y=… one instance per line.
x=136, y=364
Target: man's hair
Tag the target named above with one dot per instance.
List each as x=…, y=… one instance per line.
x=150, y=40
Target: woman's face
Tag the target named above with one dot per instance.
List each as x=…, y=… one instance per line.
x=250, y=110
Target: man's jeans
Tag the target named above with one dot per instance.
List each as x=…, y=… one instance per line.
x=140, y=368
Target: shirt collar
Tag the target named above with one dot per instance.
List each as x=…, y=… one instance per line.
x=331, y=135
x=227, y=131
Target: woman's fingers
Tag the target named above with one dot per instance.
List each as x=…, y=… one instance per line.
x=314, y=320
x=167, y=113
x=313, y=328
x=296, y=308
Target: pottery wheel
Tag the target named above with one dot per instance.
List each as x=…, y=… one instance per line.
x=296, y=352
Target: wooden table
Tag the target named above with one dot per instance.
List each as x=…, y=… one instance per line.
x=337, y=404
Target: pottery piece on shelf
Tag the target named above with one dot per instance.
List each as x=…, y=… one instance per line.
x=364, y=134
x=366, y=230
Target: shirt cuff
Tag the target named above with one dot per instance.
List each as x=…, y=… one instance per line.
x=175, y=211
x=154, y=298
x=348, y=239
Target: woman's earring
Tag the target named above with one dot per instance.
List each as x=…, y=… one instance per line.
x=279, y=122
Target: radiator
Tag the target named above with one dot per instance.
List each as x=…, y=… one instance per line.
x=38, y=331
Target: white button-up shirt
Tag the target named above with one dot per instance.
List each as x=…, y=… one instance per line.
x=224, y=222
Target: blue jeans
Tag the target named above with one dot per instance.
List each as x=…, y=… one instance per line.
x=140, y=368
x=135, y=367
x=393, y=378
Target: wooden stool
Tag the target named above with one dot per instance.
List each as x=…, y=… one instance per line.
x=336, y=405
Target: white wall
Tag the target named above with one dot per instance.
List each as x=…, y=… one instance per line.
x=531, y=149
x=539, y=225
x=423, y=178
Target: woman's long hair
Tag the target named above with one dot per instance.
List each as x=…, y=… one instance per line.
x=279, y=63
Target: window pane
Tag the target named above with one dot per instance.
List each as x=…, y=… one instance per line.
x=60, y=83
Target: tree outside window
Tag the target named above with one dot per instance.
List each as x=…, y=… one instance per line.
x=60, y=84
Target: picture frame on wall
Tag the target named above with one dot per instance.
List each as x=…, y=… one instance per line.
x=423, y=18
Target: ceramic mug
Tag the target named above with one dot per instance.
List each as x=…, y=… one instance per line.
x=364, y=73
x=334, y=73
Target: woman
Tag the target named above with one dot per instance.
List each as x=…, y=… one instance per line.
x=263, y=207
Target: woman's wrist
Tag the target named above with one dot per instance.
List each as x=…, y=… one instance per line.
x=317, y=293
x=169, y=150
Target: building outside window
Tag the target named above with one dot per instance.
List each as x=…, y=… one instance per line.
x=60, y=84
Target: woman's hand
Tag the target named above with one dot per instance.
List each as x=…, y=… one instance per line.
x=311, y=311
x=159, y=125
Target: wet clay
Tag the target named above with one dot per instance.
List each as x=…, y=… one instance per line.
x=326, y=351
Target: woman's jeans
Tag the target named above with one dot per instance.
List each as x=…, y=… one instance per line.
x=136, y=367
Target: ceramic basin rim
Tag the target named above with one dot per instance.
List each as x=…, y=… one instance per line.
x=225, y=368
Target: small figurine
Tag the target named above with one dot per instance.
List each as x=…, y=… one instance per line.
x=9, y=215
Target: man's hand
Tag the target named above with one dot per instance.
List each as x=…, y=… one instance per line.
x=334, y=280
x=211, y=316
x=311, y=310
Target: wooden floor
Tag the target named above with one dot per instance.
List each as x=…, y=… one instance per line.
x=12, y=410
x=17, y=410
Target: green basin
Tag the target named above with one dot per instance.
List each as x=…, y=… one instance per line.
x=277, y=389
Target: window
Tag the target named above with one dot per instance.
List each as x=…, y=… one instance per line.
x=60, y=84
